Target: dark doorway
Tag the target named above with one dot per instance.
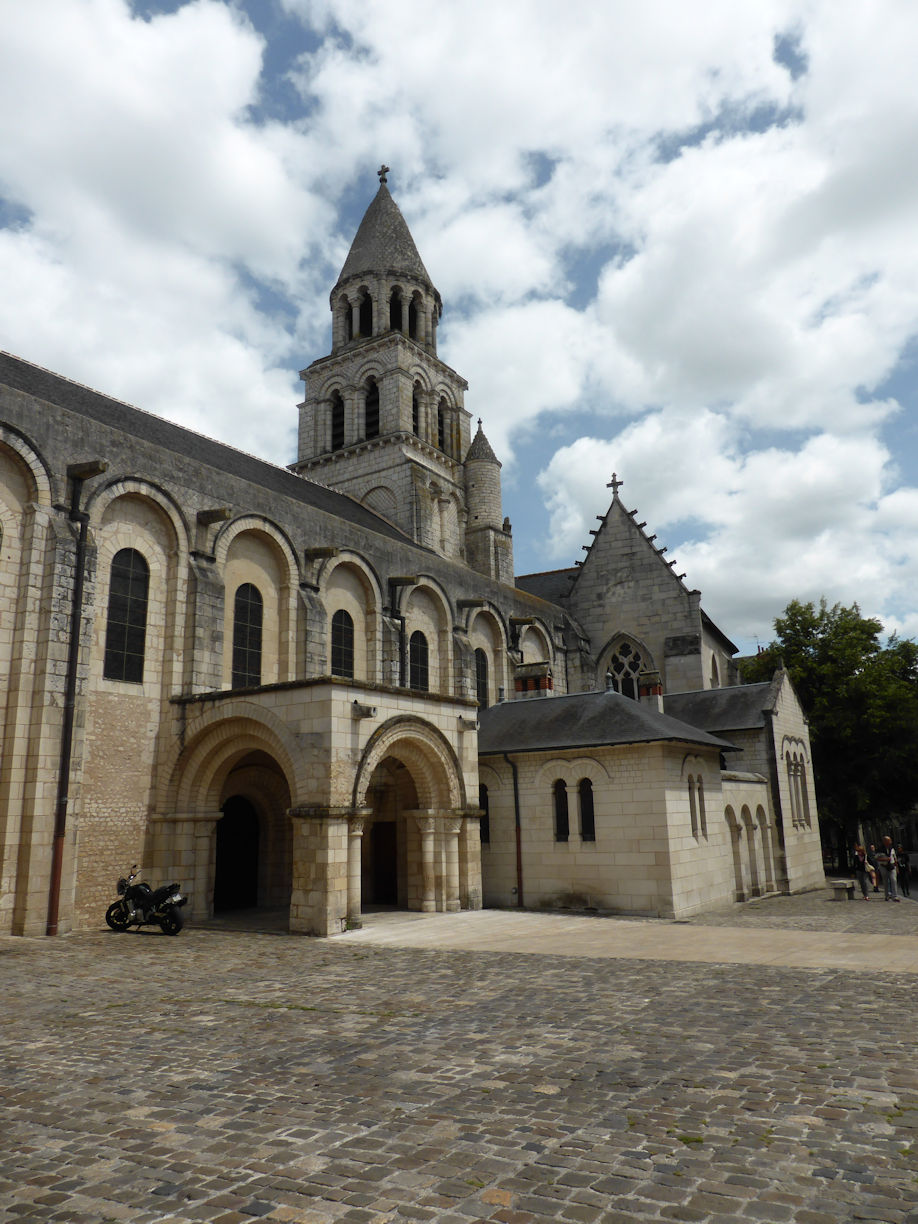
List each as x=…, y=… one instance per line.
x=236, y=875
x=384, y=851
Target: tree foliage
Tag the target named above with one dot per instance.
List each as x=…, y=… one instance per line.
x=861, y=697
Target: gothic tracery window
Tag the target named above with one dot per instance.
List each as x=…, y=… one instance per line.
x=625, y=665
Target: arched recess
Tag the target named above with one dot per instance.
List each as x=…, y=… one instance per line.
x=736, y=836
x=254, y=838
x=486, y=633
x=25, y=499
x=409, y=782
x=427, y=610
x=623, y=658
x=135, y=515
x=535, y=645
x=752, y=849
x=768, y=850
x=252, y=550
x=216, y=741
x=238, y=756
x=382, y=500
x=347, y=584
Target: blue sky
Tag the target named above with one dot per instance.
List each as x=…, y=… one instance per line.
x=679, y=250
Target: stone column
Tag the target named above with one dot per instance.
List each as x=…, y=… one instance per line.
x=453, y=827
x=318, y=897
x=470, y=861
x=428, y=827
x=355, y=826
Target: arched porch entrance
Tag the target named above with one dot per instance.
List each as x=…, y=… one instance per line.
x=236, y=859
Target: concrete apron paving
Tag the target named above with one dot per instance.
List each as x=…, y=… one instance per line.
x=629, y=939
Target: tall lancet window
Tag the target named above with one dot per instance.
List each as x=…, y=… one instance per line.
x=337, y=421
x=371, y=410
x=416, y=410
x=395, y=310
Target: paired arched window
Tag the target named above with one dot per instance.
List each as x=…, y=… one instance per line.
x=418, y=662
x=587, y=817
x=562, y=820
x=481, y=678
x=371, y=410
x=696, y=806
x=625, y=665
x=485, y=821
x=248, y=615
x=337, y=421
x=126, y=627
x=342, y=644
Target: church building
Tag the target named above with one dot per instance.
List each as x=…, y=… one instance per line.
x=322, y=688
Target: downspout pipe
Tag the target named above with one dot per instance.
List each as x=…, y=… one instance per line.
x=77, y=473
x=518, y=830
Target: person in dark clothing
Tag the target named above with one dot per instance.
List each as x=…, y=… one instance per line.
x=861, y=869
x=904, y=870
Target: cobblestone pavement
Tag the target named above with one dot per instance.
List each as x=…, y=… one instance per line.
x=228, y=1077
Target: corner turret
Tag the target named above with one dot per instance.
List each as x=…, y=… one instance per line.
x=489, y=544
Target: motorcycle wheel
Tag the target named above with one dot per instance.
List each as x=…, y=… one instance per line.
x=171, y=923
x=117, y=916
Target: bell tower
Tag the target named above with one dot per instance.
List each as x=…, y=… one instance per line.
x=383, y=419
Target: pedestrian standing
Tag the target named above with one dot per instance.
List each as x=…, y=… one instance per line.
x=861, y=869
x=904, y=868
x=874, y=866
x=887, y=860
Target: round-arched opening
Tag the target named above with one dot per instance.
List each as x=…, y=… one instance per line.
x=238, y=845
x=391, y=838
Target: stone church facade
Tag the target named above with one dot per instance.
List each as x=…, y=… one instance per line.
x=321, y=688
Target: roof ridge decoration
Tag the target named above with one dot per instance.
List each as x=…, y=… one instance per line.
x=383, y=242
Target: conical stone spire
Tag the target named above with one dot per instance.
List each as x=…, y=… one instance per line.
x=383, y=244
x=481, y=449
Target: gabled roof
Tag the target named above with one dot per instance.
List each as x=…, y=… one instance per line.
x=192, y=447
x=738, y=707
x=581, y=720
x=383, y=243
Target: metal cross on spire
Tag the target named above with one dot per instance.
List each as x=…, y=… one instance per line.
x=382, y=172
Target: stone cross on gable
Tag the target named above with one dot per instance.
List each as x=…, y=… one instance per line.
x=615, y=484
x=382, y=172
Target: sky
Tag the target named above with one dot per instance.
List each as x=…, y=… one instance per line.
x=674, y=241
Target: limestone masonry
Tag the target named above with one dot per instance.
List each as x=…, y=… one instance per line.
x=323, y=689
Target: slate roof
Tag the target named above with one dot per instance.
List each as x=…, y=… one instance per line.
x=739, y=707
x=581, y=720
x=192, y=447
x=553, y=585
x=481, y=448
x=383, y=243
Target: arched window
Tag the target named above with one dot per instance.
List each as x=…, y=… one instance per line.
x=587, y=819
x=413, y=318
x=342, y=644
x=248, y=613
x=562, y=823
x=347, y=319
x=337, y=421
x=485, y=822
x=442, y=425
x=715, y=674
x=126, y=627
x=625, y=666
x=366, y=315
x=416, y=410
x=418, y=662
x=371, y=410
x=481, y=678
x=395, y=310
x=692, y=806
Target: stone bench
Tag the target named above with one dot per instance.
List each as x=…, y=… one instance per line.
x=842, y=890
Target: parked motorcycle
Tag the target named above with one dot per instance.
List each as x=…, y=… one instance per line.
x=140, y=905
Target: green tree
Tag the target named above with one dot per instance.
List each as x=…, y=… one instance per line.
x=861, y=698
